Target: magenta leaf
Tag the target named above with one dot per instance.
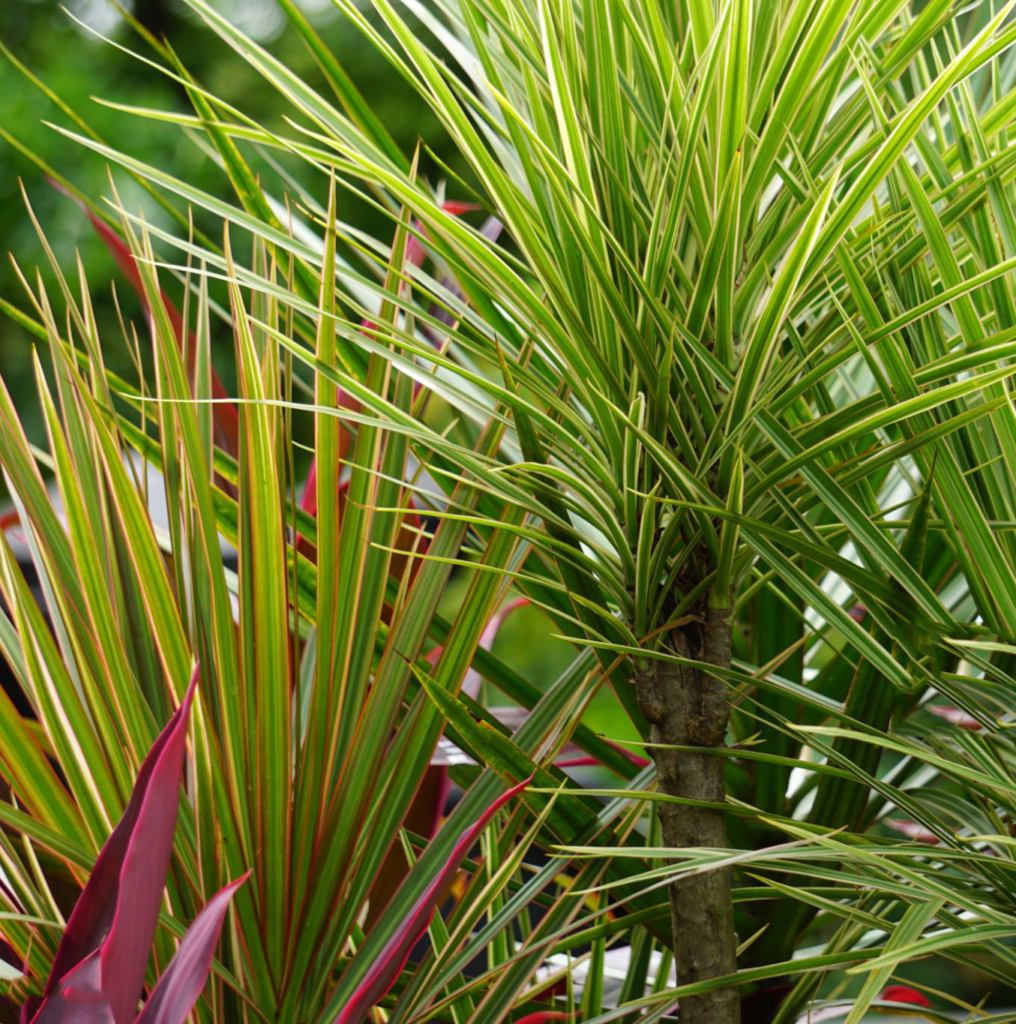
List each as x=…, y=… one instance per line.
x=83, y=1001
x=543, y=1017
x=389, y=963
x=178, y=989
x=104, y=950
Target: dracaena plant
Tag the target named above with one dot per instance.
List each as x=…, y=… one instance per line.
x=316, y=740
x=721, y=385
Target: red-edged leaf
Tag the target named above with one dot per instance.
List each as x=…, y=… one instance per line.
x=407, y=540
x=178, y=989
x=225, y=419
x=386, y=968
x=904, y=994
x=415, y=255
x=425, y=812
x=308, y=501
x=105, y=946
x=543, y=1016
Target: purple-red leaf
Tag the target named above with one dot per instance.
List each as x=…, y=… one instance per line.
x=389, y=963
x=83, y=1001
x=178, y=989
x=104, y=950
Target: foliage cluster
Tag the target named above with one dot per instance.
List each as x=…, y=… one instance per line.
x=706, y=353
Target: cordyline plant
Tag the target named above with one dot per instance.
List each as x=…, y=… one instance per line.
x=99, y=968
x=128, y=601
x=721, y=385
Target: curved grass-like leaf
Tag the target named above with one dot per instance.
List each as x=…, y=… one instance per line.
x=385, y=969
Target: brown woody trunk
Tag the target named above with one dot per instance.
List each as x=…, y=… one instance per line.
x=689, y=708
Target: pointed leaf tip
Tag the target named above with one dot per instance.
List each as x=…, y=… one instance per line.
x=101, y=960
x=225, y=417
x=385, y=970
x=181, y=985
